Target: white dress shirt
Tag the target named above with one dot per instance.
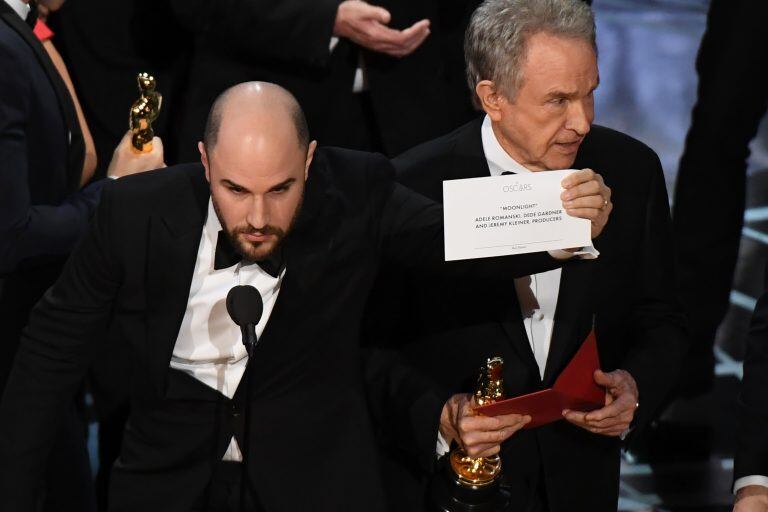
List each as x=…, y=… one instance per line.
x=21, y=8
x=209, y=344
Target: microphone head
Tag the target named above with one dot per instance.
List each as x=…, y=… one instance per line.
x=244, y=305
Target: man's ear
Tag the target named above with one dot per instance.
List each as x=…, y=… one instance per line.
x=310, y=156
x=490, y=99
x=204, y=160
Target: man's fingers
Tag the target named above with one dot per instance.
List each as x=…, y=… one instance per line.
x=472, y=423
x=416, y=34
x=398, y=43
x=612, y=432
x=576, y=417
x=589, y=188
x=595, y=202
x=482, y=450
x=625, y=418
x=584, y=213
x=605, y=380
x=577, y=177
x=617, y=408
x=387, y=38
x=579, y=420
x=477, y=443
x=475, y=438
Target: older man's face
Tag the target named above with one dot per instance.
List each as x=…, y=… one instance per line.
x=543, y=126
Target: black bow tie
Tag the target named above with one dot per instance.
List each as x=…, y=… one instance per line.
x=226, y=256
x=505, y=173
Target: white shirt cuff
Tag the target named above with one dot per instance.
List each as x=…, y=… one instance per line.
x=332, y=44
x=749, y=480
x=442, y=446
x=588, y=252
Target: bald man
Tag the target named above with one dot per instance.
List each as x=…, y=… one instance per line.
x=307, y=228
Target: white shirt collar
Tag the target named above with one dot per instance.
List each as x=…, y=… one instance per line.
x=212, y=223
x=19, y=7
x=211, y=230
x=499, y=160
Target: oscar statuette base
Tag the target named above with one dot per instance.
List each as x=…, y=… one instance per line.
x=446, y=494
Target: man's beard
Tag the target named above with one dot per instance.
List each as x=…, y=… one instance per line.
x=256, y=251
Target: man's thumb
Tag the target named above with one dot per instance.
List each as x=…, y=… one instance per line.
x=380, y=14
x=602, y=378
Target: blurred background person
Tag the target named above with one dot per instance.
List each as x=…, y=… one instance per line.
x=46, y=158
x=379, y=77
x=105, y=43
x=731, y=102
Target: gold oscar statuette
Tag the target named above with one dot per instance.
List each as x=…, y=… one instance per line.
x=144, y=112
x=480, y=472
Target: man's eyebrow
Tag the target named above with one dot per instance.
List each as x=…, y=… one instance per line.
x=561, y=94
x=232, y=184
x=282, y=185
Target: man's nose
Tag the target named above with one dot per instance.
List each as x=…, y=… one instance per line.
x=580, y=117
x=258, y=213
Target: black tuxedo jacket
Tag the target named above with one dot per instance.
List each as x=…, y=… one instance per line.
x=311, y=440
x=414, y=99
x=42, y=213
x=453, y=327
x=752, y=443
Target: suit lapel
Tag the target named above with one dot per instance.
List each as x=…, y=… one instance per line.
x=75, y=146
x=174, y=237
x=571, y=323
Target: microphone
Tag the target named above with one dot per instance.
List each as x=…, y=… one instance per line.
x=245, y=307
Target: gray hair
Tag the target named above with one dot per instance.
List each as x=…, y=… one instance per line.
x=495, y=44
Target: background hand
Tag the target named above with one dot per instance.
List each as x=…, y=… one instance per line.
x=126, y=161
x=366, y=25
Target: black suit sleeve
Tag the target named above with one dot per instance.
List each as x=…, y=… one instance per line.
x=29, y=230
x=657, y=354
x=55, y=351
x=405, y=406
x=752, y=442
x=285, y=30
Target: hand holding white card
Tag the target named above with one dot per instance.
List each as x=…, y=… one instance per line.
x=504, y=215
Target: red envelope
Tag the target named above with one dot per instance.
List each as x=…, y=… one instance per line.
x=574, y=389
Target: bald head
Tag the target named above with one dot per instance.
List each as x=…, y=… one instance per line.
x=252, y=108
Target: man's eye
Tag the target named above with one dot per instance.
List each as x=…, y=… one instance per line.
x=557, y=101
x=236, y=190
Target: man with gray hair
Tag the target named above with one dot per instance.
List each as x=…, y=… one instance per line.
x=532, y=66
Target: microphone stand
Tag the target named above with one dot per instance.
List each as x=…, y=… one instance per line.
x=249, y=340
